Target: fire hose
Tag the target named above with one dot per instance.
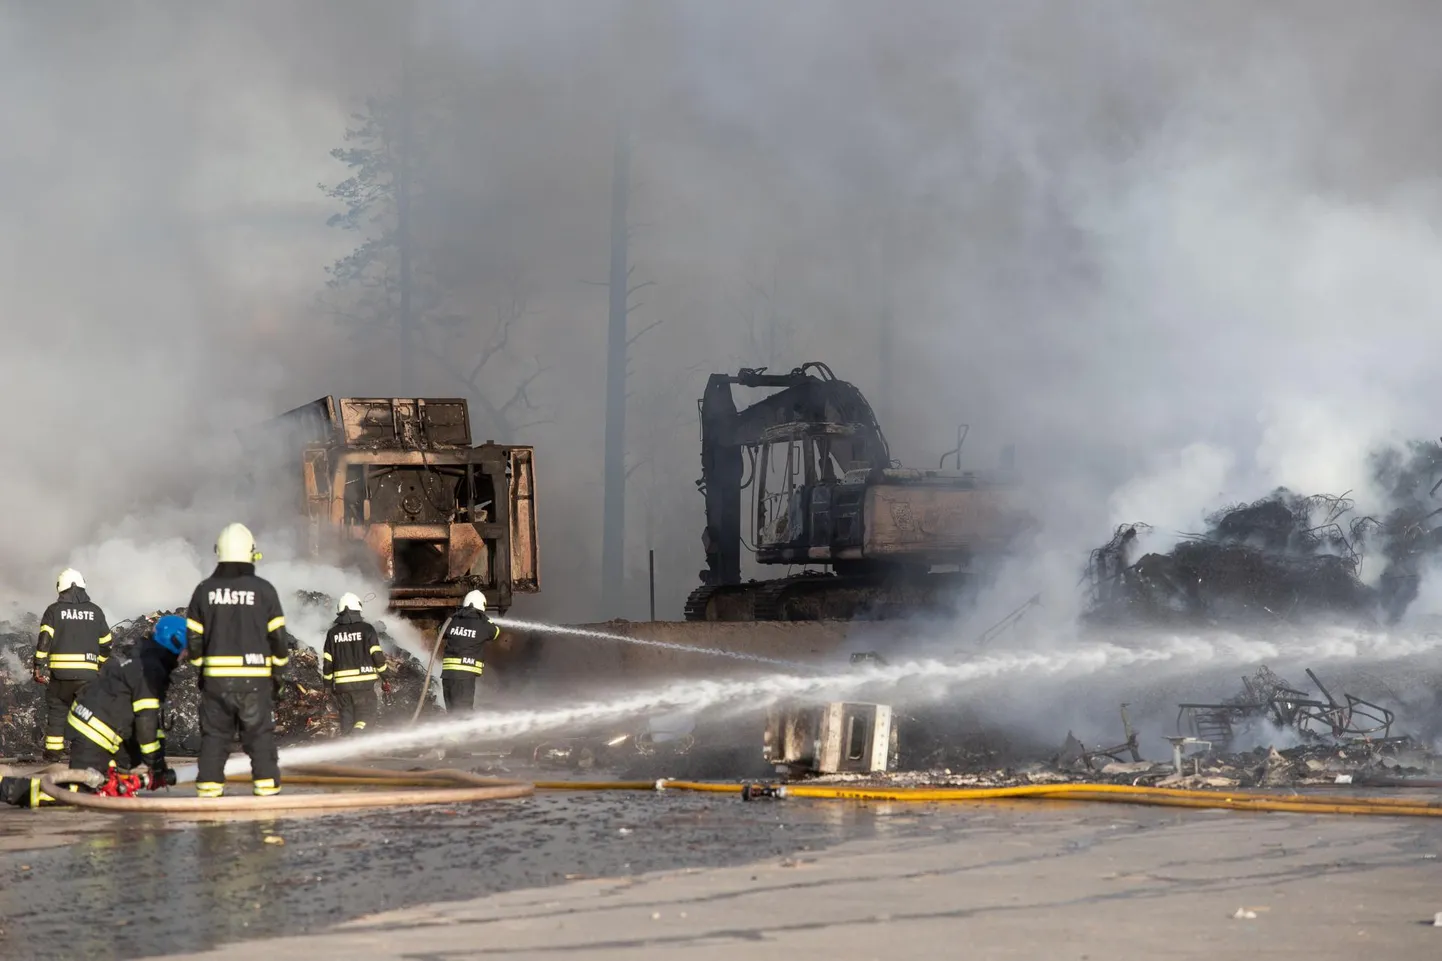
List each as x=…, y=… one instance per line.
x=1110, y=793
x=454, y=787
x=430, y=787
x=430, y=663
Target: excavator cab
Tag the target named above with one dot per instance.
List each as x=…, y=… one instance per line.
x=799, y=465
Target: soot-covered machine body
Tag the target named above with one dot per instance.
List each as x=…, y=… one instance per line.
x=395, y=485
x=825, y=493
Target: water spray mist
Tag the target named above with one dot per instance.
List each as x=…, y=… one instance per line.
x=1176, y=652
x=539, y=628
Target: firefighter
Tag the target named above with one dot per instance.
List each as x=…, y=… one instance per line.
x=74, y=641
x=116, y=720
x=467, y=633
x=114, y=724
x=238, y=641
x=351, y=662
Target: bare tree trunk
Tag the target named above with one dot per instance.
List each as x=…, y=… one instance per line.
x=403, y=223
x=885, y=335
x=613, y=545
x=772, y=321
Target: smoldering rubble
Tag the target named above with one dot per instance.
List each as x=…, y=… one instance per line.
x=303, y=713
x=1271, y=733
x=1387, y=762
x=1284, y=558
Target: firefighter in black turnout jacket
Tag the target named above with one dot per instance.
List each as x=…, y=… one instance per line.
x=352, y=661
x=238, y=642
x=468, y=631
x=115, y=721
x=74, y=641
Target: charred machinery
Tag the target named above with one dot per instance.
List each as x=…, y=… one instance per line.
x=826, y=492
x=395, y=485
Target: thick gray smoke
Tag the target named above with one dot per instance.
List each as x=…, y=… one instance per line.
x=1177, y=254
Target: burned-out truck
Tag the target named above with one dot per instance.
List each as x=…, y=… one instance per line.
x=395, y=487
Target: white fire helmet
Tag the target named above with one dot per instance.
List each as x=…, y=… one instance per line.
x=475, y=599
x=348, y=602
x=68, y=578
x=236, y=545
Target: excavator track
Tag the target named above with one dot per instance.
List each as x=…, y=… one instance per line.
x=768, y=600
x=814, y=597
x=698, y=603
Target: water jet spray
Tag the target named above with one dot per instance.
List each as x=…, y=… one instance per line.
x=1175, y=652
x=537, y=627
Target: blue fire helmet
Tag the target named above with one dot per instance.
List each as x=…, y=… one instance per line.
x=169, y=633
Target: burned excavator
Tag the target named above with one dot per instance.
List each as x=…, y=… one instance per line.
x=892, y=541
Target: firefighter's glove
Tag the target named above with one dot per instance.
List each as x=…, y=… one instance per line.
x=40, y=676
x=277, y=685
x=161, y=775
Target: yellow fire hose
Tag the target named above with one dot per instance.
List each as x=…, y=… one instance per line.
x=1115, y=793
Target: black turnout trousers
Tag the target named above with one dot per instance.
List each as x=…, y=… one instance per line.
x=59, y=695
x=358, y=707
x=246, y=710
x=459, y=690
x=85, y=753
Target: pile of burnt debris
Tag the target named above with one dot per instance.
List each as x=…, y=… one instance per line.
x=1271, y=734
x=1284, y=557
x=1376, y=763
x=302, y=713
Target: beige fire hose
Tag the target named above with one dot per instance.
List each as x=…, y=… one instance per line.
x=428, y=787
x=435, y=649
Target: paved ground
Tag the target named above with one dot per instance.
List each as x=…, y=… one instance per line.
x=147, y=886
x=1065, y=882
x=636, y=876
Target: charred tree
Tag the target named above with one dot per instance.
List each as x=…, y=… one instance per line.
x=885, y=332
x=619, y=342
x=376, y=284
x=770, y=336
x=409, y=283
x=613, y=528
x=404, y=144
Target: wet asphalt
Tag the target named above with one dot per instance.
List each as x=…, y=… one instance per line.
x=150, y=886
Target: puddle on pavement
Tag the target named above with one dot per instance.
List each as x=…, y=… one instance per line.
x=150, y=886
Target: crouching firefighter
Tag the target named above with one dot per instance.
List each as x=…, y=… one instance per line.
x=351, y=663
x=238, y=641
x=467, y=633
x=74, y=641
x=115, y=738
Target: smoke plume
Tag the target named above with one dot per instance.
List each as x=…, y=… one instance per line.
x=1179, y=255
